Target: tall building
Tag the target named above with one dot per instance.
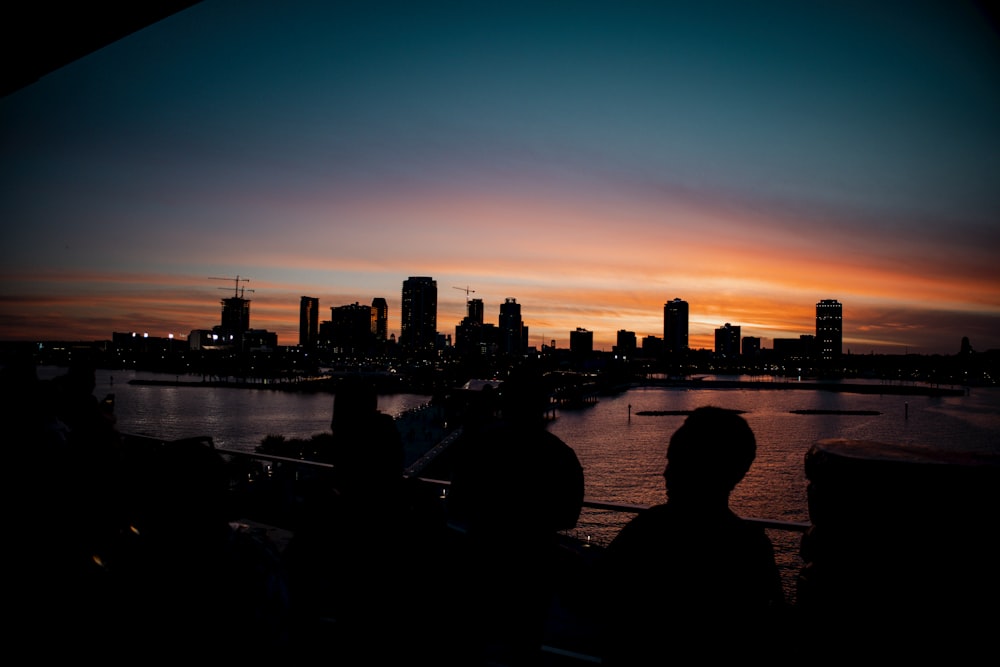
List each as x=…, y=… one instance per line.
x=727, y=341
x=581, y=341
x=380, y=319
x=349, y=330
x=511, y=334
x=472, y=335
x=308, y=321
x=475, y=311
x=652, y=346
x=675, y=327
x=829, y=329
x=235, y=315
x=418, y=316
x=626, y=343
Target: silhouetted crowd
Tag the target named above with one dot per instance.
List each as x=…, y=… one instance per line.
x=128, y=549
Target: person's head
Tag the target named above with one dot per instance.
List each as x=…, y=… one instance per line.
x=355, y=397
x=709, y=454
x=524, y=397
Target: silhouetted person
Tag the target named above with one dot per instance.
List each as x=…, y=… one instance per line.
x=70, y=485
x=515, y=486
x=47, y=557
x=689, y=578
x=346, y=560
x=91, y=423
x=185, y=579
x=367, y=447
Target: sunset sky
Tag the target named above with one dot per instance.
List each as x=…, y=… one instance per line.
x=592, y=160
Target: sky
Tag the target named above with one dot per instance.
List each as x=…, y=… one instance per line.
x=591, y=160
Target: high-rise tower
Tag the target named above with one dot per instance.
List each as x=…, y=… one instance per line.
x=308, y=321
x=727, y=341
x=510, y=328
x=380, y=319
x=829, y=329
x=418, y=315
x=675, y=328
x=235, y=315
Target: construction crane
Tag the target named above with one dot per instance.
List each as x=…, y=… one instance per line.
x=239, y=290
x=466, y=290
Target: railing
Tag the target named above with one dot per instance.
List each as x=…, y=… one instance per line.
x=443, y=484
x=561, y=654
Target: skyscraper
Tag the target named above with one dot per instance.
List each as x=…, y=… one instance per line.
x=380, y=319
x=626, y=343
x=675, y=327
x=308, y=321
x=418, y=315
x=475, y=311
x=349, y=330
x=235, y=315
x=829, y=329
x=472, y=335
x=510, y=328
x=727, y=341
x=581, y=341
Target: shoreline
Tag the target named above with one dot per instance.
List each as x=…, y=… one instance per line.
x=326, y=385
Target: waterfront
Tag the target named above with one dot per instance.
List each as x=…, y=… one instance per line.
x=622, y=451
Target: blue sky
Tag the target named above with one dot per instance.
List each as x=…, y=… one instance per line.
x=592, y=160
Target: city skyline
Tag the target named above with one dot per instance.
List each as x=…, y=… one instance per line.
x=420, y=295
x=591, y=161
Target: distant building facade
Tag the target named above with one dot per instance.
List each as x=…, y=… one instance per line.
x=472, y=335
x=795, y=349
x=511, y=332
x=829, y=329
x=380, y=319
x=348, y=331
x=581, y=341
x=652, y=347
x=308, y=321
x=418, y=316
x=675, y=327
x=727, y=341
x=625, y=343
x=235, y=315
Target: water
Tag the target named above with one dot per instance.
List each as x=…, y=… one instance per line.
x=236, y=419
x=622, y=452
x=623, y=456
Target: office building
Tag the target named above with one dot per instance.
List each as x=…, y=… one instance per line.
x=235, y=315
x=380, y=319
x=829, y=329
x=511, y=332
x=581, y=341
x=675, y=328
x=418, y=316
x=308, y=321
x=652, y=347
x=349, y=330
x=727, y=341
x=472, y=335
x=626, y=343
x=795, y=349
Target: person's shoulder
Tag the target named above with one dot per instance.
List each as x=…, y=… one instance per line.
x=648, y=520
x=385, y=423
